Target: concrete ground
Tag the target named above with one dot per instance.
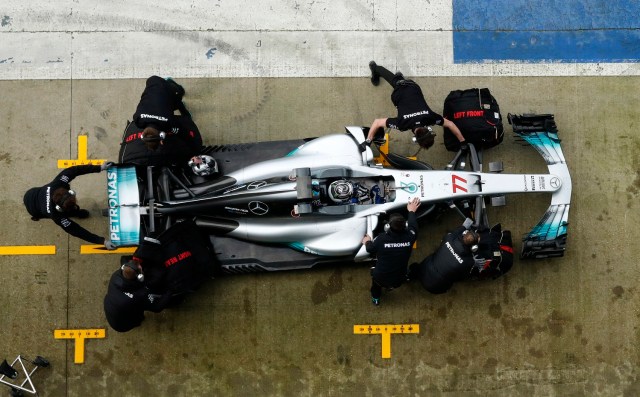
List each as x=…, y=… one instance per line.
x=564, y=326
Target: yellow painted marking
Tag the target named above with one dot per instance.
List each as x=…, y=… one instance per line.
x=384, y=148
x=28, y=250
x=51, y=250
x=79, y=335
x=100, y=249
x=385, y=331
x=82, y=156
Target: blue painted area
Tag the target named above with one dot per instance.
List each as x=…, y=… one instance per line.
x=536, y=46
x=517, y=15
x=587, y=31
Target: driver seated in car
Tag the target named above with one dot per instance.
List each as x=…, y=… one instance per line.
x=346, y=192
x=452, y=261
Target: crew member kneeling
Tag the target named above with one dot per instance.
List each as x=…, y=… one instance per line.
x=175, y=264
x=453, y=261
x=128, y=298
x=157, y=136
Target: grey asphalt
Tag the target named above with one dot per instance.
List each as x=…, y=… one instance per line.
x=557, y=327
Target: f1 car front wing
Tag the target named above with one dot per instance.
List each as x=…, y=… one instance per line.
x=549, y=237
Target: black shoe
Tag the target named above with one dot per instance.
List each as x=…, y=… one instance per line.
x=41, y=362
x=7, y=370
x=16, y=392
x=412, y=272
x=82, y=214
x=375, y=77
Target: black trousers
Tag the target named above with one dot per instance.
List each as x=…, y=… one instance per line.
x=415, y=271
x=376, y=288
x=391, y=78
x=178, y=92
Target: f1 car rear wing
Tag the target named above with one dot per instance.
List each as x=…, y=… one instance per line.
x=549, y=237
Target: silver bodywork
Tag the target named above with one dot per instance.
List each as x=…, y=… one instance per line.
x=337, y=230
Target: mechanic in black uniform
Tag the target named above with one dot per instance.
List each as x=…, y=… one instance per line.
x=453, y=261
x=157, y=136
x=413, y=112
x=161, y=273
x=392, y=250
x=128, y=298
x=57, y=201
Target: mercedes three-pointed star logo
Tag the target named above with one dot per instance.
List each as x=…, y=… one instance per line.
x=554, y=182
x=258, y=207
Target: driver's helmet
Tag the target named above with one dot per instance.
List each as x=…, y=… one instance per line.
x=203, y=165
x=340, y=191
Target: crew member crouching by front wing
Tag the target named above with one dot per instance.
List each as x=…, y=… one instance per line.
x=453, y=261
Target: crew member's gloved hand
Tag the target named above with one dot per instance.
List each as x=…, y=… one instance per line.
x=464, y=147
x=363, y=146
x=109, y=245
x=106, y=165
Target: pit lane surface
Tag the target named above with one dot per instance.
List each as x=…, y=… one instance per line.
x=565, y=326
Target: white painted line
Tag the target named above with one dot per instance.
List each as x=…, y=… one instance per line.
x=224, y=16
x=269, y=38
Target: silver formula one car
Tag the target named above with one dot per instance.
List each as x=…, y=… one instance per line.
x=299, y=203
